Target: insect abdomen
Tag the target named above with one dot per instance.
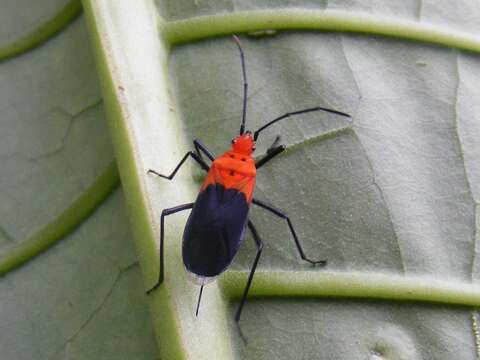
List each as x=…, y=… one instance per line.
x=214, y=231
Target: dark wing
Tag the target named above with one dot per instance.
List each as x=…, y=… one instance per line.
x=215, y=230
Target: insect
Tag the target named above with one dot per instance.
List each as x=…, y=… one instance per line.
x=219, y=218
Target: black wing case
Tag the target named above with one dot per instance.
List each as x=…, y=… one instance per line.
x=214, y=230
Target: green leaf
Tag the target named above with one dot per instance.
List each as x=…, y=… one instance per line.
x=388, y=197
x=82, y=298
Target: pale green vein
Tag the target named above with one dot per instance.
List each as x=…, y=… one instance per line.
x=23, y=250
x=352, y=285
x=196, y=28
x=476, y=334
x=45, y=31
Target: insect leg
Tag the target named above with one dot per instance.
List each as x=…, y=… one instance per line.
x=259, y=244
x=166, y=212
x=282, y=215
x=199, y=147
x=271, y=153
x=196, y=157
x=274, y=144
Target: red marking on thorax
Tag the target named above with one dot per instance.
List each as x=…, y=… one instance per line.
x=236, y=168
x=233, y=171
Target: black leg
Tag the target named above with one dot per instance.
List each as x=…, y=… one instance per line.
x=281, y=214
x=271, y=153
x=166, y=212
x=259, y=244
x=274, y=144
x=200, y=148
x=196, y=157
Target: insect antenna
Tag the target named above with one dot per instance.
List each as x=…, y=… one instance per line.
x=199, y=298
x=245, y=84
x=256, y=133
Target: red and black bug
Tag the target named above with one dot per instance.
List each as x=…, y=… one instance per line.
x=216, y=226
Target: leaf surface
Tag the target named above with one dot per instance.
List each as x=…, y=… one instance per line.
x=391, y=192
x=81, y=299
